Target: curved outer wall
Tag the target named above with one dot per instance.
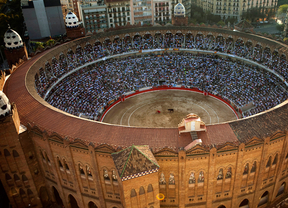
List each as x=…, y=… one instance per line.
x=73, y=156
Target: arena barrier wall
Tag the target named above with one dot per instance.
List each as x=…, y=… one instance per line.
x=137, y=92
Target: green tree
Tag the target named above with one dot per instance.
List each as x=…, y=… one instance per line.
x=221, y=23
x=282, y=9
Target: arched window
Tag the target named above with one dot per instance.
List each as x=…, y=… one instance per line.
x=16, y=177
x=106, y=175
x=269, y=162
x=41, y=153
x=264, y=198
x=229, y=173
x=60, y=164
x=201, y=177
x=47, y=158
x=192, y=178
x=24, y=178
x=88, y=170
x=162, y=180
x=281, y=189
x=221, y=206
x=92, y=205
x=150, y=188
x=6, y=153
x=220, y=174
x=244, y=204
x=114, y=176
x=7, y=177
x=275, y=160
x=81, y=171
x=253, y=169
x=15, y=153
x=133, y=193
x=171, y=179
x=66, y=165
x=29, y=192
x=141, y=191
x=21, y=192
x=246, y=169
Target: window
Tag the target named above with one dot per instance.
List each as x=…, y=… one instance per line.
x=171, y=179
x=82, y=173
x=15, y=153
x=253, y=169
x=150, y=188
x=133, y=193
x=246, y=169
x=201, y=177
x=141, y=191
x=162, y=179
x=6, y=153
x=192, y=178
x=220, y=174
x=105, y=175
x=275, y=160
x=88, y=170
x=229, y=173
x=269, y=162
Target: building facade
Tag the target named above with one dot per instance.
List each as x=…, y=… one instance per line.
x=162, y=12
x=94, y=16
x=119, y=13
x=50, y=158
x=235, y=8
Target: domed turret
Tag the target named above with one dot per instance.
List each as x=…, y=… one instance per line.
x=5, y=106
x=71, y=20
x=179, y=10
x=12, y=39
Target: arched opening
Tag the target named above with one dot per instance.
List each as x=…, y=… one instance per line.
x=150, y=188
x=244, y=204
x=57, y=197
x=72, y=202
x=6, y=153
x=92, y=205
x=264, y=198
x=15, y=153
x=221, y=206
x=133, y=193
x=141, y=191
x=43, y=194
x=281, y=189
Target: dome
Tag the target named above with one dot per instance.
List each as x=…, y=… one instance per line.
x=71, y=20
x=179, y=10
x=5, y=106
x=12, y=39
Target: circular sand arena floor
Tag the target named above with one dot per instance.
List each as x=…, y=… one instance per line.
x=141, y=110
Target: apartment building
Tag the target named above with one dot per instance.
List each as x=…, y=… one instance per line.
x=141, y=11
x=162, y=11
x=94, y=16
x=235, y=8
x=119, y=13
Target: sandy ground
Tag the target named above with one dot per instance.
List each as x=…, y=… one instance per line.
x=141, y=110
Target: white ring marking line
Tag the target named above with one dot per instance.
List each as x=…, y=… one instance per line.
x=213, y=111
x=124, y=114
x=134, y=112
x=204, y=110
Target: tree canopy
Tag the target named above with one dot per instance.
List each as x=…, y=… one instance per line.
x=282, y=9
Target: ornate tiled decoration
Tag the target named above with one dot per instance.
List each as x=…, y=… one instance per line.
x=135, y=161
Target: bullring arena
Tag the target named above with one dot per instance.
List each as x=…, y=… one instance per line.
x=90, y=124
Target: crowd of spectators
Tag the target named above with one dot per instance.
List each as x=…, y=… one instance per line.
x=89, y=90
